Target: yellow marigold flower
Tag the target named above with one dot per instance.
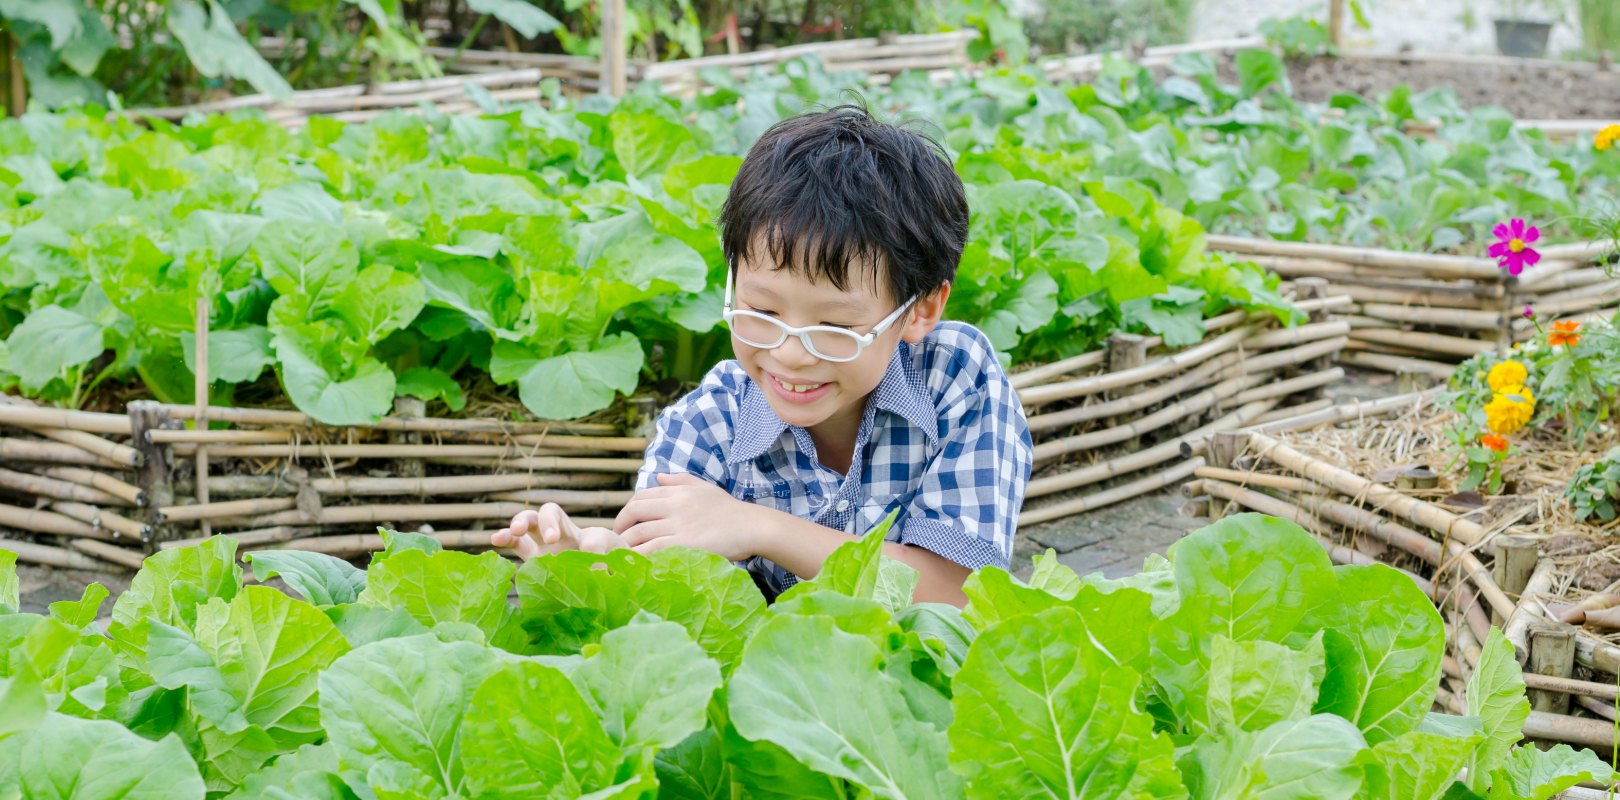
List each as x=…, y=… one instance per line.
x=1507, y=373
x=1607, y=137
x=1510, y=410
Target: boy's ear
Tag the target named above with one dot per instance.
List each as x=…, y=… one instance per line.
x=925, y=314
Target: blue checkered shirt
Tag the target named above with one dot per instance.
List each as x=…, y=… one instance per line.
x=943, y=439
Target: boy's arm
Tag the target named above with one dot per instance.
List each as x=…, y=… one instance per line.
x=801, y=547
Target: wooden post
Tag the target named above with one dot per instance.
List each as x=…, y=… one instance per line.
x=1336, y=23
x=614, y=44
x=17, y=82
x=1411, y=380
x=1515, y=560
x=1125, y=351
x=1552, y=652
x=1222, y=452
x=409, y=407
x=200, y=400
x=154, y=474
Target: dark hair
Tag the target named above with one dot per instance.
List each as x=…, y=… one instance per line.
x=833, y=190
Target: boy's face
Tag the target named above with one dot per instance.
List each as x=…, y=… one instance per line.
x=808, y=391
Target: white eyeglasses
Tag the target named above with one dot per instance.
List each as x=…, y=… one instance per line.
x=823, y=341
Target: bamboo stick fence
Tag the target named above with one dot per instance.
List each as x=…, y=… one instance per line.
x=1425, y=312
x=515, y=77
x=1478, y=573
x=106, y=488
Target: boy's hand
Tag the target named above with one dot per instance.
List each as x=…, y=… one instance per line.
x=691, y=512
x=536, y=532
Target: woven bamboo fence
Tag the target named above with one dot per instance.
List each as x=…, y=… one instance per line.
x=1478, y=567
x=1133, y=417
x=86, y=489
x=1427, y=313
x=515, y=78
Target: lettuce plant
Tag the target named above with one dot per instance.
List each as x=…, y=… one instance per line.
x=1244, y=665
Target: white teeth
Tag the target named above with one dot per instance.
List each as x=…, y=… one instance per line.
x=798, y=387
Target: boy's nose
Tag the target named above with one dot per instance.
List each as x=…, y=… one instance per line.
x=793, y=353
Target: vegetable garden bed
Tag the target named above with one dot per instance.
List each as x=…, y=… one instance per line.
x=1379, y=491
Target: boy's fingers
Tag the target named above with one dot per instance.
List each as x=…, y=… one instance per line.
x=679, y=479
x=501, y=538
x=523, y=522
x=643, y=532
x=654, y=545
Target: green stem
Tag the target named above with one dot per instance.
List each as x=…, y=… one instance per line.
x=467, y=41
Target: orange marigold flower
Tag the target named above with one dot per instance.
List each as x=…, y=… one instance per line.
x=1495, y=442
x=1607, y=137
x=1565, y=332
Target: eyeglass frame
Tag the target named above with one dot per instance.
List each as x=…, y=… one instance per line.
x=862, y=340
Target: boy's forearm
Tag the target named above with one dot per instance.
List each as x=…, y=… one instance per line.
x=801, y=547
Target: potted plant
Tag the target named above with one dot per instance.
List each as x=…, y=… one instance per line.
x=1522, y=27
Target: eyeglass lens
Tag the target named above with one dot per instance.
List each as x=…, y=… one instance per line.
x=761, y=332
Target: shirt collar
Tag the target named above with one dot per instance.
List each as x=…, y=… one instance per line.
x=901, y=392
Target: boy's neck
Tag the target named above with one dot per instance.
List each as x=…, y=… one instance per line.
x=835, y=436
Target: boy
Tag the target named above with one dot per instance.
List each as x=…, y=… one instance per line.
x=848, y=397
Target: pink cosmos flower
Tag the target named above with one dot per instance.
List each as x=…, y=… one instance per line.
x=1512, y=249
x=1529, y=312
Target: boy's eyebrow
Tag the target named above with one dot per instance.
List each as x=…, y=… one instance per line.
x=850, y=306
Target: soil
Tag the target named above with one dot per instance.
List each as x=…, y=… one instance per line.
x=1533, y=91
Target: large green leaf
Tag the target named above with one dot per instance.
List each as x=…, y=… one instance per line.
x=321, y=579
x=1113, y=621
x=1306, y=759
x=216, y=48
x=1535, y=774
x=250, y=668
x=304, y=257
x=1039, y=712
x=67, y=758
x=649, y=684
x=524, y=17
x=582, y=382
x=1246, y=577
x=528, y=733
x=51, y=341
x=234, y=356
x=328, y=381
x=312, y=772
x=1414, y=766
x=818, y=692
x=393, y=709
x=170, y=587
x=379, y=301
x=1496, y=698
x=446, y=586
x=569, y=600
x=853, y=568
x=1253, y=685
x=1383, y=653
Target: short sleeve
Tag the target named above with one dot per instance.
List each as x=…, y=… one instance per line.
x=965, y=508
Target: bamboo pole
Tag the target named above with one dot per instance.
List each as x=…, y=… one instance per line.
x=1185, y=446
x=1364, y=294
x=115, y=524
x=219, y=437
x=1572, y=686
x=22, y=416
x=250, y=538
x=295, y=419
x=36, y=521
x=1153, y=370
x=263, y=485
x=200, y=399
x=1244, y=479
x=545, y=463
x=1448, y=317
x=38, y=485
x=1293, y=337
x=1218, y=367
x=1355, y=409
x=1290, y=412
x=1572, y=730
x=1433, y=342
x=1346, y=482
x=196, y=512
x=1184, y=408
x=316, y=450
x=1110, y=496
x=360, y=543
x=1283, y=388
x=106, y=453
x=59, y=557
x=374, y=514
x=100, y=481
x=1482, y=269
x=1394, y=363
x=110, y=553
x=563, y=497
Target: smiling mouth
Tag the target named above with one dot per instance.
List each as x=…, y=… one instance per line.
x=796, y=388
